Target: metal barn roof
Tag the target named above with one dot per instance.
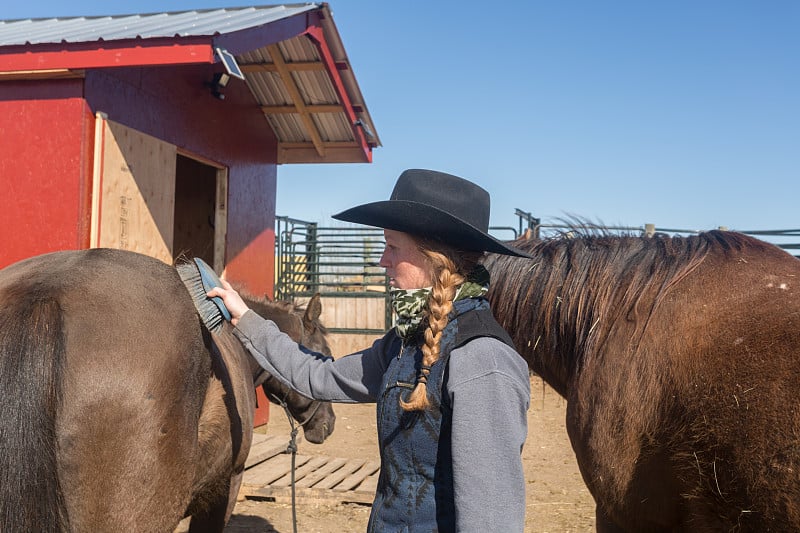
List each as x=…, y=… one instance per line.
x=143, y=26
x=292, y=56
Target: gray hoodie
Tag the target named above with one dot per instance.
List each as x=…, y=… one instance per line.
x=489, y=389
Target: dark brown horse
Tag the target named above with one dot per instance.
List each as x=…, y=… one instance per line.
x=302, y=325
x=118, y=410
x=680, y=362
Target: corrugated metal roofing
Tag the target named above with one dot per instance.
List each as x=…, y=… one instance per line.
x=147, y=26
x=316, y=127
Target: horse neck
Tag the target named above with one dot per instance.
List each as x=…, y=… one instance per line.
x=234, y=354
x=289, y=319
x=527, y=300
x=578, y=292
x=283, y=314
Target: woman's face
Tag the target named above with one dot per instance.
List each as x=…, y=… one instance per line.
x=405, y=265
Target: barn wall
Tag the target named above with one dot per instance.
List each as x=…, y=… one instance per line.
x=174, y=105
x=46, y=133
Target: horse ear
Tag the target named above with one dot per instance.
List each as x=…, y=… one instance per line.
x=313, y=310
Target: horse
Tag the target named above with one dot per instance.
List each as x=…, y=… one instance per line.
x=118, y=408
x=302, y=324
x=679, y=359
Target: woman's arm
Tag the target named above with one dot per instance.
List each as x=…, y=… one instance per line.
x=353, y=378
x=489, y=389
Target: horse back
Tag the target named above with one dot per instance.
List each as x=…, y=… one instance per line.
x=693, y=388
x=736, y=374
x=115, y=413
x=733, y=320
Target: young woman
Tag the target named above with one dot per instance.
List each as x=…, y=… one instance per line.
x=451, y=391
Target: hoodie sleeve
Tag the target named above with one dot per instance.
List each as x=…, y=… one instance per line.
x=353, y=378
x=489, y=389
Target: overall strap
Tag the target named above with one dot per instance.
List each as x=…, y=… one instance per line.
x=480, y=323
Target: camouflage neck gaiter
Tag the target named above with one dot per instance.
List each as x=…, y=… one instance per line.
x=410, y=304
x=476, y=286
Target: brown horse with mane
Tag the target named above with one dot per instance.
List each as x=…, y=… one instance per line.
x=679, y=358
x=118, y=409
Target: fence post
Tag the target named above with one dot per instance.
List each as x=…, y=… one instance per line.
x=279, y=289
x=312, y=260
x=532, y=222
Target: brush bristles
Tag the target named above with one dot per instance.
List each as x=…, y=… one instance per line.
x=206, y=308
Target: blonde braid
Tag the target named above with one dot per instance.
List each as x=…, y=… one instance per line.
x=446, y=280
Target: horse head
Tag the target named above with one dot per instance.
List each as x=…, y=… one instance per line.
x=304, y=327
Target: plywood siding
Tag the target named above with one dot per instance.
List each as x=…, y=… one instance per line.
x=346, y=343
x=137, y=202
x=352, y=313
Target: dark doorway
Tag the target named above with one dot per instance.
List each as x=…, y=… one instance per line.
x=195, y=216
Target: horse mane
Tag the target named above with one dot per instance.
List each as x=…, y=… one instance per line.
x=280, y=305
x=592, y=282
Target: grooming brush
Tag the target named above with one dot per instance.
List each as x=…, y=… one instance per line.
x=200, y=278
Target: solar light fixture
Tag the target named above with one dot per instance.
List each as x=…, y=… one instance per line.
x=221, y=79
x=229, y=62
x=367, y=132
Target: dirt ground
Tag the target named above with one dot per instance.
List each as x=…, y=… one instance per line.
x=557, y=499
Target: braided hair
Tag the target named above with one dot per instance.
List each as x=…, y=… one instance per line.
x=449, y=269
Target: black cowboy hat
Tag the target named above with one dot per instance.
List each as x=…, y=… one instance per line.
x=435, y=205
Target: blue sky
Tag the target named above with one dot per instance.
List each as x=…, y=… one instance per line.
x=685, y=114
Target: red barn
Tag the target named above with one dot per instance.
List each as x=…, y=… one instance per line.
x=162, y=133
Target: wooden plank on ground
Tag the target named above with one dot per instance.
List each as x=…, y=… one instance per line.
x=321, y=473
x=275, y=468
x=300, y=472
x=316, y=479
x=355, y=479
x=304, y=496
x=370, y=484
x=335, y=478
x=265, y=447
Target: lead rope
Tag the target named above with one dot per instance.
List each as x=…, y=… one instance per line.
x=292, y=448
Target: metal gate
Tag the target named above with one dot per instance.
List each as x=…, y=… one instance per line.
x=341, y=264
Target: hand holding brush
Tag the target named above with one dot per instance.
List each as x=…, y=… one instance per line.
x=233, y=302
x=215, y=300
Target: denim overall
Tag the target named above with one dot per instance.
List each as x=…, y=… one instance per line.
x=415, y=487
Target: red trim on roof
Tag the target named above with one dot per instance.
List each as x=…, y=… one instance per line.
x=317, y=35
x=99, y=54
